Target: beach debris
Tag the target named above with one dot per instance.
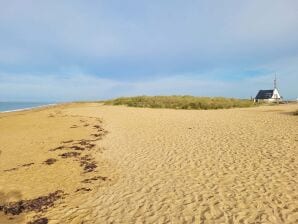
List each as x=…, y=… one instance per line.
x=97, y=135
x=19, y=166
x=83, y=142
x=83, y=189
x=100, y=132
x=88, y=163
x=86, y=181
x=28, y=164
x=86, y=143
x=69, y=141
x=39, y=221
x=78, y=148
x=90, y=146
x=99, y=128
x=12, y=169
x=99, y=120
x=38, y=204
x=58, y=148
x=50, y=161
x=69, y=154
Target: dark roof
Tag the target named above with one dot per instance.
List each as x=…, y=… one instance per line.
x=265, y=94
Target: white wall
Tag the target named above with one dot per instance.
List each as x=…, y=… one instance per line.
x=276, y=94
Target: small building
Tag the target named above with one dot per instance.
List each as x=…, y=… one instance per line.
x=270, y=95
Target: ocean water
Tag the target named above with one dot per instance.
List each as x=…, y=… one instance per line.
x=12, y=106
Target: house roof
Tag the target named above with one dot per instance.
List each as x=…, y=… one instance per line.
x=265, y=94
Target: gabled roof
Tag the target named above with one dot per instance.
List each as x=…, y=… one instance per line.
x=265, y=94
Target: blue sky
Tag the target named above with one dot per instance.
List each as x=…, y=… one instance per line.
x=78, y=50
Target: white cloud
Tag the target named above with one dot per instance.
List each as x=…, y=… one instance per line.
x=80, y=86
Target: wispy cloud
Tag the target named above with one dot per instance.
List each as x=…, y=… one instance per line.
x=83, y=86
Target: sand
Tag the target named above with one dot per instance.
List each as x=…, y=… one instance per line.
x=153, y=165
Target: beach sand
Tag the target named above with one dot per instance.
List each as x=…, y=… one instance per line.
x=139, y=165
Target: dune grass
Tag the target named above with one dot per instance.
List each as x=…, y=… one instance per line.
x=181, y=102
x=296, y=113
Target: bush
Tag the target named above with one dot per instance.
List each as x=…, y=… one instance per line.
x=181, y=102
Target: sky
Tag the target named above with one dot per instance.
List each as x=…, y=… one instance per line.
x=92, y=50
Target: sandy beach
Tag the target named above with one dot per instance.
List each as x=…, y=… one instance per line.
x=90, y=163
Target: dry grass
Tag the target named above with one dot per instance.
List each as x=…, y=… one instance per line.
x=181, y=102
x=296, y=113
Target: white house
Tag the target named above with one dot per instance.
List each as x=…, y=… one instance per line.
x=270, y=95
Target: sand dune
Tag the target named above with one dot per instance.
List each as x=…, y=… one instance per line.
x=161, y=165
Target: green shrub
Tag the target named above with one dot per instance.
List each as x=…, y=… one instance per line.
x=181, y=102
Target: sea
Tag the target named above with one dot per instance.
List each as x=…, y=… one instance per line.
x=17, y=106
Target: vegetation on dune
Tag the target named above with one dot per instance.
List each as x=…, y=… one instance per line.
x=296, y=113
x=181, y=102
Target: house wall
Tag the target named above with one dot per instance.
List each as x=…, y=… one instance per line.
x=276, y=94
x=276, y=97
x=273, y=100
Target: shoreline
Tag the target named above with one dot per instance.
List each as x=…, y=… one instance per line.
x=31, y=108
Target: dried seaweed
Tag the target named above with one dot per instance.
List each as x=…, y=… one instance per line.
x=69, y=154
x=38, y=204
x=28, y=164
x=39, y=221
x=83, y=189
x=88, y=163
x=58, y=148
x=50, y=161
x=89, y=180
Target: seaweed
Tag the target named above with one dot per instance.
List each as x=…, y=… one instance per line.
x=50, y=161
x=12, y=169
x=69, y=141
x=58, y=148
x=83, y=189
x=88, y=163
x=28, y=164
x=69, y=154
x=95, y=178
x=39, y=221
x=38, y=204
x=75, y=147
